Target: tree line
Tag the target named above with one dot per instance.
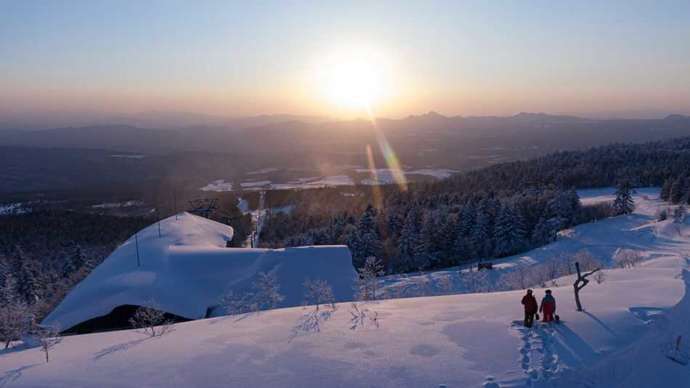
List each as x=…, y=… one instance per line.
x=491, y=212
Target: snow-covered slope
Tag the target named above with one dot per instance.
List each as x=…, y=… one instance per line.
x=457, y=340
x=637, y=231
x=632, y=319
x=186, y=269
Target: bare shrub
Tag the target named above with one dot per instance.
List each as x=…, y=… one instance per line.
x=445, y=284
x=265, y=295
x=150, y=321
x=517, y=279
x=318, y=292
x=587, y=261
x=476, y=281
x=361, y=317
x=267, y=288
x=627, y=258
x=48, y=337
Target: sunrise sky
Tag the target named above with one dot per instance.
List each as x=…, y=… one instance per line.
x=340, y=59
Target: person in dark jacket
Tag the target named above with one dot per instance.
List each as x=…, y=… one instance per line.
x=548, y=307
x=530, y=304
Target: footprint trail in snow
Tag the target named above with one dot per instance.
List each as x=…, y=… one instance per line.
x=538, y=359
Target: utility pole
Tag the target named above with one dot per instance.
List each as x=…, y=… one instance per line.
x=158, y=216
x=175, y=202
x=136, y=241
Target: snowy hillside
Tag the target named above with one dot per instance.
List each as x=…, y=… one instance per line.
x=601, y=239
x=632, y=320
x=184, y=268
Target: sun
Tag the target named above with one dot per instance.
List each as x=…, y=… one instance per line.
x=354, y=80
x=354, y=85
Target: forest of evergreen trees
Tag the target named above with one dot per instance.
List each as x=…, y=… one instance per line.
x=487, y=213
x=483, y=214
x=43, y=254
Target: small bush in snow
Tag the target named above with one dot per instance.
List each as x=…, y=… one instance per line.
x=367, y=284
x=318, y=292
x=587, y=261
x=476, y=281
x=445, y=284
x=268, y=294
x=627, y=258
x=265, y=295
x=48, y=337
x=361, y=317
x=150, y=321
x=599, y=277
x=233, y=303
x=518, y=278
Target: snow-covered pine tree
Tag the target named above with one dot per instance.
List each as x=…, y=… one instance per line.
x=395, y=220
x=466, y=221
x=410, y=242
x=624, y=203
x=462, y=249
x=679, y=214
x=565, y=207
x=462, y=244
x=366, y=241
x=15, y=315
x=481, y=235
x=446, y=238
x=29, y=281
x=545, y=231
x=509, y=232
x=677, y=190
x=74, y=262
x=367, y=280
x=431, y=239
x=666, y=189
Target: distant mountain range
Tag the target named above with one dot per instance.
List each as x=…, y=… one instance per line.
x=315, y=146
x=151, y=119
x=286, y=133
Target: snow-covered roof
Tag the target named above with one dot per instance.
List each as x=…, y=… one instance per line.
x=187, y=269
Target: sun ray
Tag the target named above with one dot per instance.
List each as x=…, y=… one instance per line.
x=388, y=153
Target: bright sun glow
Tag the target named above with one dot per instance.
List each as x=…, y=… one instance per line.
x=354, y=80
x=354, y=85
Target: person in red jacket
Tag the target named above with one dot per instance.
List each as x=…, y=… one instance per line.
x=548, y=307
x=530, y=304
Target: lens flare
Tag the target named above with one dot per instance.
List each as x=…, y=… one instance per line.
x=375, y=189
x=388, y=153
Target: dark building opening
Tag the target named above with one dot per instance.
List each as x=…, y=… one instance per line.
x=118, y=319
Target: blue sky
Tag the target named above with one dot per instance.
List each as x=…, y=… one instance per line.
x=235, y=58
